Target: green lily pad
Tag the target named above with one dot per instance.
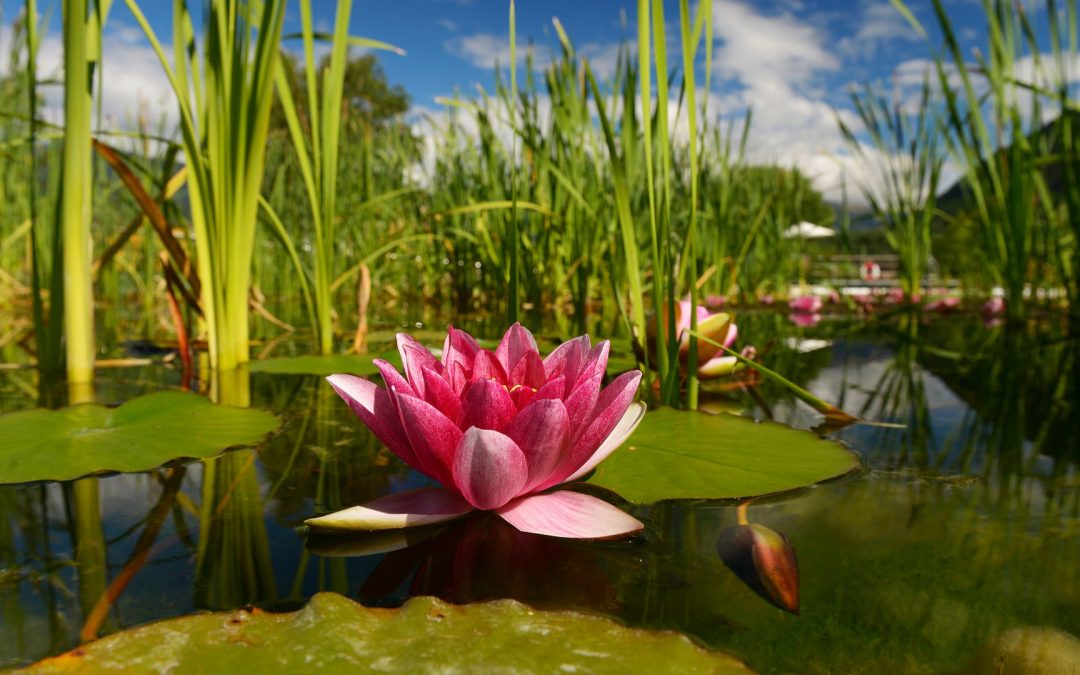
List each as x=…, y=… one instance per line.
x=141, y=434
x=335, y=634
x=314, y=364
x=689, y=455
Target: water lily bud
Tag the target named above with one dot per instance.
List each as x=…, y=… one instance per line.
x=765, y=561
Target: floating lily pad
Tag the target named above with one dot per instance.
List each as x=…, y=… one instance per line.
x=313, y=364
x=689, y=455
x=335, y=634
x=141, y=434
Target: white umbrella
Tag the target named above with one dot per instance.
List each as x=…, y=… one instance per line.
x=805, y=230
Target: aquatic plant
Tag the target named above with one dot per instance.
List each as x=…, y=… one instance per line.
x=718, y=327
x=901, y=184
x=224, y=103
x=496, y=429
x=806, y=304
x=82, y=42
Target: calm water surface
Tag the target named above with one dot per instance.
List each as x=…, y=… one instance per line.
x=964, y=524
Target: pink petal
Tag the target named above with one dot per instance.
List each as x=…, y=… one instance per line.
x=432, y=435
x=487, y=367
x=567, y=359
x=440, y=394
x=458, y=377
x=581, y=401
x=611, y=405
x=541, y=431
x=569, y=514
x=595, y=364
x=393, y=379
x=415, y=357
x=732, y=333
x=528, y=372
x=403, y=509
x=375, y=408
x=489, y=468
x=458, y=348
x=622, y=431
x=514, y=344
x=521, y=396
x=553, y=388
x=487, y=405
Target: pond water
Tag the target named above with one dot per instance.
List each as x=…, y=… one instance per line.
x=963, y=524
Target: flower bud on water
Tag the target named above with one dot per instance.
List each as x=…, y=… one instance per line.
x=764, y=560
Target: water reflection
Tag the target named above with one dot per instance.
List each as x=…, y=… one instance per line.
x=481, y=557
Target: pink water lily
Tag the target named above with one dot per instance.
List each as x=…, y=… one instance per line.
x=718, y=327
x=497, y=430
x=807, y=304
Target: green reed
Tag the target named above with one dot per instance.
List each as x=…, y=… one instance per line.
x=225, y=100
x=318, y=153
x=994, y=125
x=83, y=21
x=901, y=183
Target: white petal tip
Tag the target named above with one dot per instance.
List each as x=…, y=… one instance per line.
x=413, y=508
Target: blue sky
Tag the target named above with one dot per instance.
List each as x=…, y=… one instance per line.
x=793, y=61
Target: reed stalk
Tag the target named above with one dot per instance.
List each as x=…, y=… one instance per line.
x=224, y=100
x=80, y=24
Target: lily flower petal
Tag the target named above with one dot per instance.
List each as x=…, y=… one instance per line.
x=595, y=363
x=581, y=402
x=610, y=407
x=553, y=388
x=393, y=379
x=432, y=434
x=487, y=367
x=541, y=430
x=569, y=514
x=629, y=421
x=717, y=366
x=415, y=357
x=489, y=468
x=440, y=394
x=566, y=360
x=528, y=372
x=373, y=405
x=486, y=404
x=514, y=344
x=411, y=508
x=458, y=348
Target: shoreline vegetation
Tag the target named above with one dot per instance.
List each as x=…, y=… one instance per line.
x=551, y=196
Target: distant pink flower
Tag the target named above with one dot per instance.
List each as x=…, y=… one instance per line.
x=808, y=304
x=767, y=299
x=994, y=307
x=715, y=301
x=496, y=429
x=943, y=305
x=804, y=319
x=712, y=360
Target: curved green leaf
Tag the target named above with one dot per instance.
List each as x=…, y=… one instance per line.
x=335, y=634
x=141, y=434
x=688, y=455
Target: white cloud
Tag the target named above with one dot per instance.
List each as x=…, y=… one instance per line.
x=603, y=57
x=448, y=25
x=133, y=81
x=776, y=65
x=485, y=50
x=765, y=51
x=879, y=24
